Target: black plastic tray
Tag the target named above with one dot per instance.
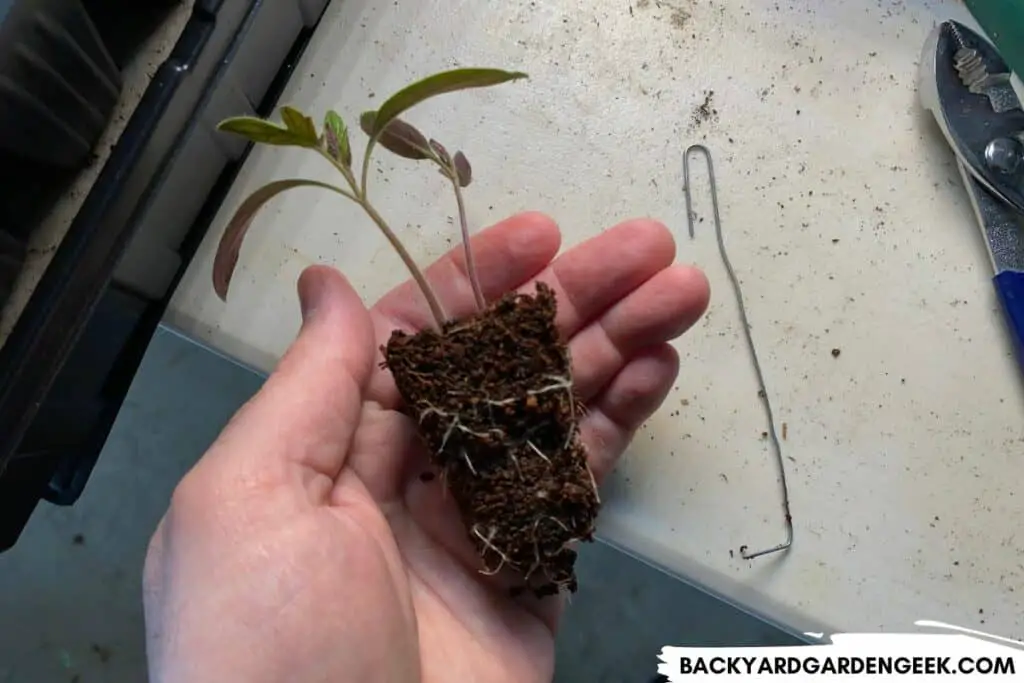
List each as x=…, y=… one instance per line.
x=70, y=359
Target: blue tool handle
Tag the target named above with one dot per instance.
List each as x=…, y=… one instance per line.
x=1010, y=286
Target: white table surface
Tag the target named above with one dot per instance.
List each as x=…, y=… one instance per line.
x=904, y=454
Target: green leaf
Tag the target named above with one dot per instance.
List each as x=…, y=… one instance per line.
x=301, y=125
x=463, y=171
x=366, y=120
x=226, y=258
x=336, y=137
x=438, y=84
x=262, y=131
x=398, y=137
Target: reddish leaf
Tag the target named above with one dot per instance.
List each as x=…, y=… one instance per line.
x=399, y=137
x=463, y=170
x=231, y=241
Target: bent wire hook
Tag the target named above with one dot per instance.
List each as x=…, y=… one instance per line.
x=762, y=391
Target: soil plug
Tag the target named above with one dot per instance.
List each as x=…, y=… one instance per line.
x=491, y=393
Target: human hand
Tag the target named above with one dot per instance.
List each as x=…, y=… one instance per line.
x=303, y=546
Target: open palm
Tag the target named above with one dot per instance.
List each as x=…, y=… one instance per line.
x=307, y=545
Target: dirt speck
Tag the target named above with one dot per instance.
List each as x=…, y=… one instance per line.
x=679, y=18
x=785, y=431
x=78, y=539
x=705, y=111
x=104, y=653
x=835, y=353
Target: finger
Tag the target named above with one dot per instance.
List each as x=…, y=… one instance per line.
x=506, y=255
x=306, y=412
x=625, y=404
x=592, y=276
x=658, y=311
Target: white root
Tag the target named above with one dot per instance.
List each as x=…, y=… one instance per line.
x=433, y=410
x=491, y=572
x=506, y=402
x=564, y=383
x=538, y=562
x=560, y=383
x=562, y=585
x=557, y=521
x=465, y=456
x=536, y=553
x=515, y=461
x=452, y=425
x=447, y=433
x=481, y=435
x=488, y=545
x=456, y=424
x=538, y=452
x=568, y=436
x=460, y=328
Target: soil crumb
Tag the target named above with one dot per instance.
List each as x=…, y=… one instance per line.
x=493, y=397
x=705, y=111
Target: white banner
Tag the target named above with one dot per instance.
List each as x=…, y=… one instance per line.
x=964, y=655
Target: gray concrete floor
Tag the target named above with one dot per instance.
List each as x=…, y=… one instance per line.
x=70, y=608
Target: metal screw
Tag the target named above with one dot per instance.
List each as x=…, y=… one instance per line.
x=1005, y=155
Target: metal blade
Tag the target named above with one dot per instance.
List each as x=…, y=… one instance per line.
x=966, y=114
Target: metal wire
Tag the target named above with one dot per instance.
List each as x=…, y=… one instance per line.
x=762, y=391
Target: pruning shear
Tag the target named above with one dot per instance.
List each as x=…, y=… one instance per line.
x=967, y=86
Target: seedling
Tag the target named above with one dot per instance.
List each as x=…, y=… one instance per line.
x=492, y=393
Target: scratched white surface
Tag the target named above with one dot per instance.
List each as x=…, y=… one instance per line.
x=846, y=222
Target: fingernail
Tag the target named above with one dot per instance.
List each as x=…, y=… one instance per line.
x=311, y=290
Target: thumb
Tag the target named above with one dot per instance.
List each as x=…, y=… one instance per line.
x=308, y=410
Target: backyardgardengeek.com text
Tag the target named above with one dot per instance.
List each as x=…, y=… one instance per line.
x=911, y=666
